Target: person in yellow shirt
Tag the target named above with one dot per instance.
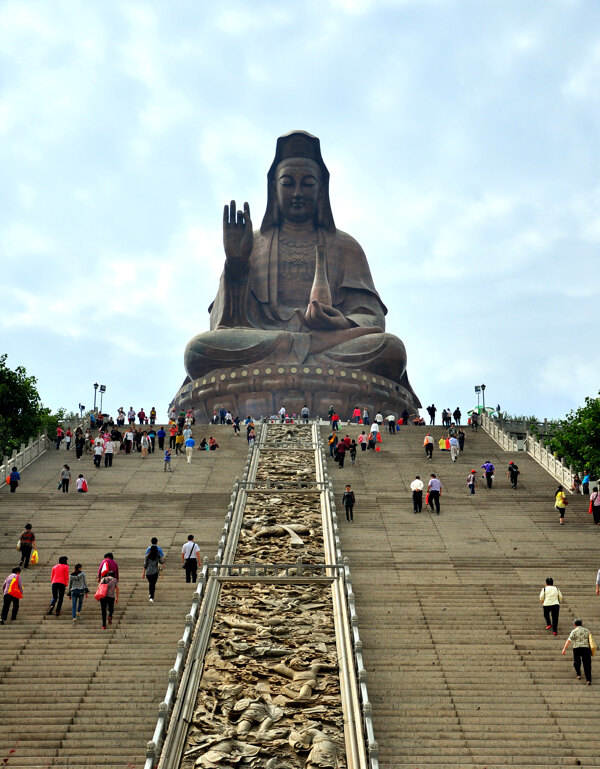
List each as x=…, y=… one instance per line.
x=561, y=504
x=179, y=443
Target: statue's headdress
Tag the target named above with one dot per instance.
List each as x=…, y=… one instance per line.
x=298, y=144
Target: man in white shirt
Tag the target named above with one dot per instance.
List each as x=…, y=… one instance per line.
x=454, y=448
x=391, y=420
x=190, y=558
x=109, y=450
x=550, y=598
x=417, y=493
x=281, y=413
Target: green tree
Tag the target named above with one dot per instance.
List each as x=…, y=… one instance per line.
x=577, y=438
x=21, y=412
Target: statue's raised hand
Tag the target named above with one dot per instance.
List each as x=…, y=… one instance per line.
x=237, y=234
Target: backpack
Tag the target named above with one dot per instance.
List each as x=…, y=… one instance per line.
x=13, y=588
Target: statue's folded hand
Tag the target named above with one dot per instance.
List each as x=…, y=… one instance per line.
x=323, y=317
x=238, y=239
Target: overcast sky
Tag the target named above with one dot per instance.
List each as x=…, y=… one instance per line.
x=462, y=141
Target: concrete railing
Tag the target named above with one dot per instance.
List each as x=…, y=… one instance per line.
x=28, y=454
x=556, y=467
x=543, y=456
x=502, y=438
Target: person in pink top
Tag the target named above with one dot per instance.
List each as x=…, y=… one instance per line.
x=59, y=580
x=108, y=564
x=9, y=594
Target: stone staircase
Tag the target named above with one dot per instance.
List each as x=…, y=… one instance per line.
x=461, y=670
x=82, y=696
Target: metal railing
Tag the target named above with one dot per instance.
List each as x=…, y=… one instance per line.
x=348, y=601
x=179, y=676
x=179, y=703
x=284, y=485
x=297, y=569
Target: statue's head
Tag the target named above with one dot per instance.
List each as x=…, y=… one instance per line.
x=298, y=183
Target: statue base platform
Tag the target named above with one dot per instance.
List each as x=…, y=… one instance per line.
x=260, y=391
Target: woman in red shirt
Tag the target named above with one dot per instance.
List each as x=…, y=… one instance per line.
x=59, y=580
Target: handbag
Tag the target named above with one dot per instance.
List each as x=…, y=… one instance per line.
x=19, y=542
x=101, y=591
x=59, y=485
x=593, y=646
x=34, y=557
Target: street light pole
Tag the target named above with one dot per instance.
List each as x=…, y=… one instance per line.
x=483, y=395
x=102, y=391
x=95, y=390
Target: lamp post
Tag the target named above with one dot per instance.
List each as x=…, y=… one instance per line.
x=95, y=391
x=102, y=391
x=483, y=395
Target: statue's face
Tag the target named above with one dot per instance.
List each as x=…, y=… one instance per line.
x=298, y=182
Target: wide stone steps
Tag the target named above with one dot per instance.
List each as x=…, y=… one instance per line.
x=461, y=671
x=80, y=696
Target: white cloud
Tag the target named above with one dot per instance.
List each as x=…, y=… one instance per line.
x=457, y=152
x=583, y=80
x=21, y=240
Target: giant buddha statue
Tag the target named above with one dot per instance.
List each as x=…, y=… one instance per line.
x=297, y=319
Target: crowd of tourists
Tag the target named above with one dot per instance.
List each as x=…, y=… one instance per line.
x=75, y=584
x=124, y=436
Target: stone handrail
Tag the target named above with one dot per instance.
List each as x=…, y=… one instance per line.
x=27, y=454
x=556, y=467
x=502, y=438
x=543, y=456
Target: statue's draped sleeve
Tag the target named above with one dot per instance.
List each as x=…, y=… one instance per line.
x=352, y=290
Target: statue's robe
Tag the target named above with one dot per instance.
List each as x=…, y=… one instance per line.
x=249, y=324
